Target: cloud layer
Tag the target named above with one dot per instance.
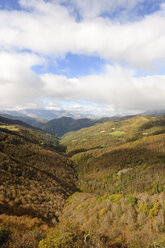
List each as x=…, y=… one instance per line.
x=49, y=30
x=18, y=83
x=116, y=87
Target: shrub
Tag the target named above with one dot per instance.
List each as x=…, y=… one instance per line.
x=158, y=244
x=4, y=235
x=79, y=207
x=145, y=207
x=163, y=208
x=102, y=211
x=120, y=212
x=157, y=188
x=26, y=239
x=100, y=198
x=63, y=237
x=131, y=199
x=59, y=240
x=115, y=198
x=154, y=211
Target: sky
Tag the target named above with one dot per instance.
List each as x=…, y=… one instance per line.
x=106, y=57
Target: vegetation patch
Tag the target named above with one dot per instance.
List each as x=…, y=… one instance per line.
x=4, y=235
x=10, y=128
x=102, y=212
x=131, y=199
x=115, y=198
x=154, y=211
x=117, y=133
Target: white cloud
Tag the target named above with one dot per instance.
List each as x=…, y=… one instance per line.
x=49, y=29
x=18, y=83
x=117, y=87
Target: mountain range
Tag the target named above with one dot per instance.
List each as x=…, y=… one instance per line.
x=60, y=122
x=48, y=114
x=67, y=124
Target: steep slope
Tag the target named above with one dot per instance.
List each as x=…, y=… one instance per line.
x=35, y=122
x=119, y=199
x=35, y=180
x=121, y=171
x=30, y=133
x=131, y=146
x=4, y=120
x=110, y=134
x=134, y=167
x=66, y=124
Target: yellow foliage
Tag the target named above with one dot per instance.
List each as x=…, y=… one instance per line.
x=102, y=211
x=79, y=207
x=115, y=198
x=154, y=211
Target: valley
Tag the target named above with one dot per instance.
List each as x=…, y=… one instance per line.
x=99, y=186
x=82, y=124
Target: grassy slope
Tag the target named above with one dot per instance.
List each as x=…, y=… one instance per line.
x=112, y=134
x=63, y=125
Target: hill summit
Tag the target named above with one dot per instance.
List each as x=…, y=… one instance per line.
x=64, y=125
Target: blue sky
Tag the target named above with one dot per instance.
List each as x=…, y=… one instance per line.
x=107, y=55
x=73, y=65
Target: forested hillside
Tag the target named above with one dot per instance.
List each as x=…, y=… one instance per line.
x=64, y=125
x=35, y=179
x=107, y=190
x=121, y=168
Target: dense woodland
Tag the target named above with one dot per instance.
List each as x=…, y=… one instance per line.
x=100, y=186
